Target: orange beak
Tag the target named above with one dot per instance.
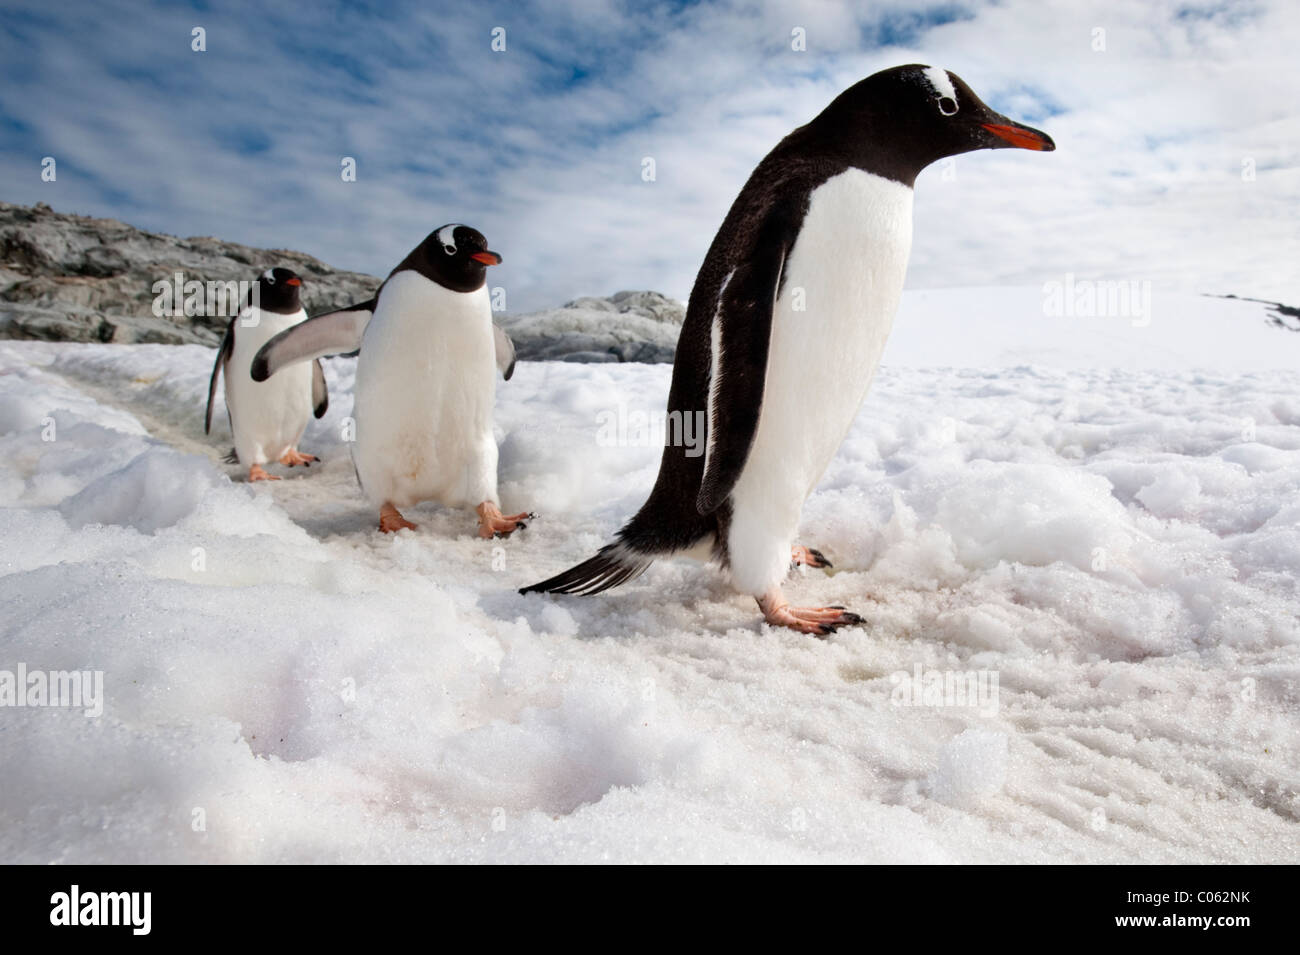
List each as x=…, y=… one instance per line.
x=487, y=258
x=1022, y=137
x=293, y=281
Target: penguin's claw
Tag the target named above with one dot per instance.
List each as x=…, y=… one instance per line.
x=492, y=523
x=808, y=557
x=391, y=520
x=835, y=616
x=258, y=473
x=818, y=621
x=294, y=457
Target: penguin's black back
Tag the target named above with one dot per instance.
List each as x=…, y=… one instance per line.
x=769, y=209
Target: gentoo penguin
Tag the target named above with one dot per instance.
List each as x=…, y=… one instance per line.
x=425, y=382
x=267, y=418
x=785, y=326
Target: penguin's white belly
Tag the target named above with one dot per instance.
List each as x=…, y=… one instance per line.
x=843, y=280
x=267, y=417
x=424, y=395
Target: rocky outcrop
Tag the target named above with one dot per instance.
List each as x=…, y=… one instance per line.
x=627, y=326
x=75, y=278
x=1279, y=316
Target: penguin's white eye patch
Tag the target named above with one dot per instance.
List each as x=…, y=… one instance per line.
x=447, y=236
x=269, y=275
x=941, y=83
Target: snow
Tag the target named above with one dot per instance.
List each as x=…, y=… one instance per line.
x=972, y=766
x=154, y=490
x=1078, y=323
x=1103, y=517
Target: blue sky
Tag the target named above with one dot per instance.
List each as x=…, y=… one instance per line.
x=541, y=146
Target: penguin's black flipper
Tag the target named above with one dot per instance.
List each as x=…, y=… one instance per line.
x=613, y=564
x=223, y=355
x=742, y=333
x=320, y=396
x=333, y=333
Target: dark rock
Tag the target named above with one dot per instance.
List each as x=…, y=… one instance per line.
x=73, y=278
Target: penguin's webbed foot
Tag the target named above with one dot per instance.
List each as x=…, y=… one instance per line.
x=818, y=621
x=391, y=520
x=258, y=473
x=294, y=457
x=492, y=523
x=808, y=557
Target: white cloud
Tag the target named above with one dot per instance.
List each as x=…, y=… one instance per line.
x=541, y=146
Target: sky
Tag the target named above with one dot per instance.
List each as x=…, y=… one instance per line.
x=1177, y=127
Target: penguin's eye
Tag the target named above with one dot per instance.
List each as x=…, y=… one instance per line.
x=947, y=105
x=270, y=280
x=449, y=249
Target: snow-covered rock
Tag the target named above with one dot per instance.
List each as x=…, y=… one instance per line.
x=627, y=326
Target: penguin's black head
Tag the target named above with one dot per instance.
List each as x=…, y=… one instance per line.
x=898, y=121
x=277, y=291
x=457, y=257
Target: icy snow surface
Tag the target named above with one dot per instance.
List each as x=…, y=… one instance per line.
x=1103, y=518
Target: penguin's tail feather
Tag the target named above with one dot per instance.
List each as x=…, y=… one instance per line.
x=613, y=564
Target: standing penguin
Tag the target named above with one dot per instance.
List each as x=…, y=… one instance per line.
x=795, y=299
x=267, y=419
x=425, y=383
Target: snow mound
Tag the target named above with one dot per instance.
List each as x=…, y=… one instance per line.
x=972, y=766
x=156, y=489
